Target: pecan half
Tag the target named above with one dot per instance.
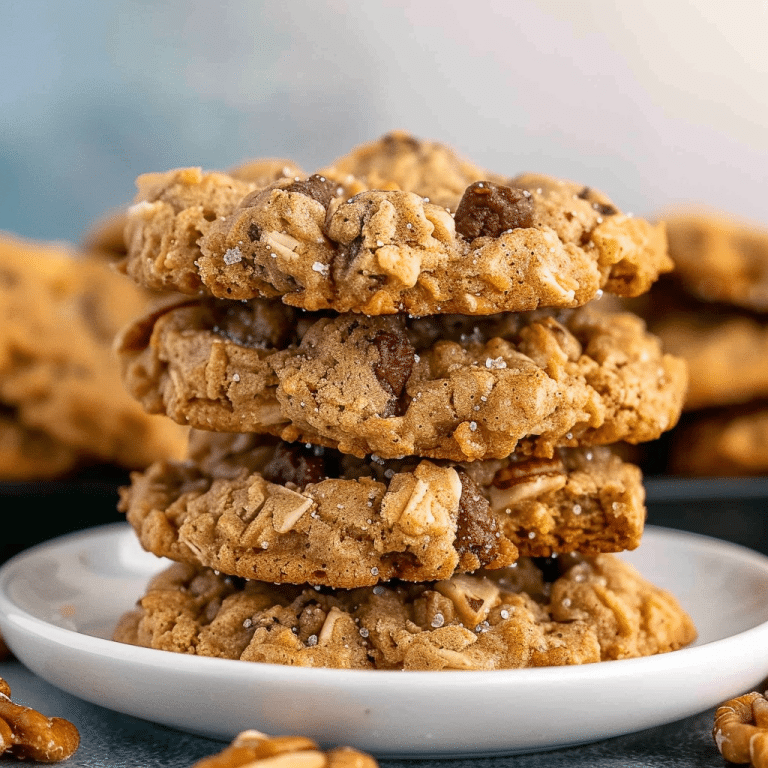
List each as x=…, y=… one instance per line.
x=27, y=735
x=741, y=730
x=251, y=749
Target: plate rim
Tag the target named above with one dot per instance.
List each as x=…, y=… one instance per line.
x=352, y=682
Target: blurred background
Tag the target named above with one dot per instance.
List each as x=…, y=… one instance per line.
x=655, y=102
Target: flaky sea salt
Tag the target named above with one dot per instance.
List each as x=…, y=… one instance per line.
x=233, y=255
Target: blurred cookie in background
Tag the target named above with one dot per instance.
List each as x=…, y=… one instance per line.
x=722, y=442
x=712, y=310
x=60, y=312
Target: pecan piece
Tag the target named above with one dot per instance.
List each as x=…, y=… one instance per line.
x=251, y=749
x=488, y=209
x=526, y=479
x=27, y=735
x=741, y=730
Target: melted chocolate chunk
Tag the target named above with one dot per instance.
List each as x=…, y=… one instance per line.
x=395, y=363
x=487, y=209
x=317, y=187
x=295, y=463
x=476, y=527
x=603, y=209
x=254, y=233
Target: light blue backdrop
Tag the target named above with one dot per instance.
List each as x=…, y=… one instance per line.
x=655, y=102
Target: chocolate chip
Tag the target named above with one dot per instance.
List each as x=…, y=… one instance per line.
x=395, y=363
x=604, y=209
x=317, y=187
x=488, y=209
x=294, y=464
x=254, y=233
x=257, y=324
x=476, y=527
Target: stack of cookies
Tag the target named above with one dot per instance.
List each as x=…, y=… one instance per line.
x=713, y=312
x=401, y=415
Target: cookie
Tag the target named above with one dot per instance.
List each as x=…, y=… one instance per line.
x=60, y=311
x=726, y=353
x=720, y=258
x=571, y=610
x=722, y=443
x=267, y=510
x=105, y=236
x=31, y=454
x=529, y=242
x=399, y=160
x=442, y=387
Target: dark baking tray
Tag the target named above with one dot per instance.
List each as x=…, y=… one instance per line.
x=40, y=510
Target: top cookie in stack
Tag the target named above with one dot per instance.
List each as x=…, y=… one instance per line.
x=404, y=379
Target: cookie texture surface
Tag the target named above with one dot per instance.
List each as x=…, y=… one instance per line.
x=294, y=514
x=530, y=241
x=720, y=258
x=571, y=610
x=60, y=312
x=442, y=387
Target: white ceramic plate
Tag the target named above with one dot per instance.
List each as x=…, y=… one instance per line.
x=60, y=600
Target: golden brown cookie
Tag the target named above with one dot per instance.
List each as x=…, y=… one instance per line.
x=399, y=160
x=531, y=241
x=443, y=387
x=105, y=236
x=59, y=313
x=289, y=513
x=722, y=443
x=31, y=454
x=726, y=353
x=720, y=258
x=570, y=610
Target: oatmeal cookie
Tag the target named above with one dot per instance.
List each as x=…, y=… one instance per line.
x=722, y=442
x=569, y=610
x=399, y=160
x=31, y=454
x=531, y=241
x=726, y=353
x=720, y=258
x=60, y=312
x=286, y=513
x=442, y=387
